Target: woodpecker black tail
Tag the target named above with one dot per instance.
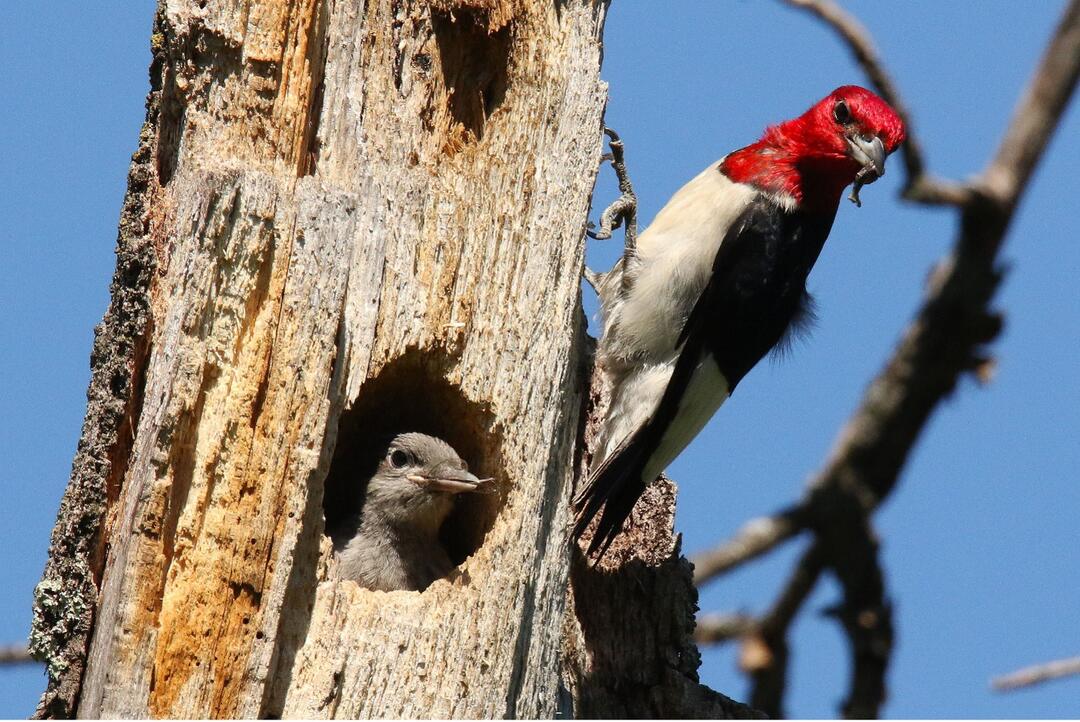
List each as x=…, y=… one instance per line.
x=614, y=487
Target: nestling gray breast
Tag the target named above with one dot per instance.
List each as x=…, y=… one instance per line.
x=393, y=543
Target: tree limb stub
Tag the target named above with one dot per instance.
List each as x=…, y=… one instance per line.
x=628, y=647
x=1037, y=674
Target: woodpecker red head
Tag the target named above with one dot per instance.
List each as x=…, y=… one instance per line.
x=844, y=137
x=715, y=282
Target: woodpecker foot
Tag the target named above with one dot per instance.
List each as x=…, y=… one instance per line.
x=624, y=209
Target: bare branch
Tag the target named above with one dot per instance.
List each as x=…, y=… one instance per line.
x=764, y=652
x=755, y=538
x=765, y=655
x=15, y=654
x=847, y=545
x=851, y=550
x=803, y=579
x=1037, y=674
x=1038, y=112
x=920, y=185
x=949, y=333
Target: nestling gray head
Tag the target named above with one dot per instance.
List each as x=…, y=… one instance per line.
x=393, y=543
x=417, y=479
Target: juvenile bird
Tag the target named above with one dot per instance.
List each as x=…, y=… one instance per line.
x=715, y=282
x=393, y=543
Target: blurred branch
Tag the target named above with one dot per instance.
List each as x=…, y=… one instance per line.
x=765, y=654
x=755, y=538
x=1037, y=674
x=920, y=185
x=865, y=612
x=947, y=339
x=1036, y=117
x=14, y=654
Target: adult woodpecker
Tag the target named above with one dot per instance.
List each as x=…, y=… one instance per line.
x=393, y=543
x=715, y=282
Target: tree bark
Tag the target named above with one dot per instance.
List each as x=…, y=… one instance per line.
x=347, y=219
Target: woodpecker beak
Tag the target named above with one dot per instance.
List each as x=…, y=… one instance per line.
x=452, y=481
x=870, y=154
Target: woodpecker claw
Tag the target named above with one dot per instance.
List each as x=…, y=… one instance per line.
x=605, y=231
x=623, y=210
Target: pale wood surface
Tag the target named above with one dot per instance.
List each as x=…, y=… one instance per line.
x=328, y=207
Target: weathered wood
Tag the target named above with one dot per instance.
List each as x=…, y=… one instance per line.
x=352, y=203
x=628, y=648
x=348, y=219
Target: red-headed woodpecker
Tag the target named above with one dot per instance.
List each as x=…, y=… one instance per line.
x=715, y=283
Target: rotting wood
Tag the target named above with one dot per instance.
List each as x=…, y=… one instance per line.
x=352, y=218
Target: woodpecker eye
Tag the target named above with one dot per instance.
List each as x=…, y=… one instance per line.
x=398, y=459
x=842, y=113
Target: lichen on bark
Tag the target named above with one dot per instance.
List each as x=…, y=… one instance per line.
x=65, y=599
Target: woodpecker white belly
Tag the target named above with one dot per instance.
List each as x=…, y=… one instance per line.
x=718, y=279
x=706, y=390
x=642, y=326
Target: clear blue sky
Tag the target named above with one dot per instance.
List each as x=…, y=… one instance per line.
x=980, y=541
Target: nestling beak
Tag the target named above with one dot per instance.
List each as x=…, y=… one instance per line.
x=870, y=154
x=452, y=481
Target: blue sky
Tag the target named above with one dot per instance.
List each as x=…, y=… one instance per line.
x=980, y=540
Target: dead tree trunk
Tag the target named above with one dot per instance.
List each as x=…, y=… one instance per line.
x=344, y=218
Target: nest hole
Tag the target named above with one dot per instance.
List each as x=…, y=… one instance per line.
x=411, y=393
x=475, y=64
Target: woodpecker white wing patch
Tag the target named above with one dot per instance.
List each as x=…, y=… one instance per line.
x=706, y=392
x=676, y=254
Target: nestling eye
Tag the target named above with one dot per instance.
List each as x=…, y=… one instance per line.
x=398, y=459
x=842, y=113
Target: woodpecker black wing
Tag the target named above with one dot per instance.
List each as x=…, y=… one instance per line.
x=757, y=287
